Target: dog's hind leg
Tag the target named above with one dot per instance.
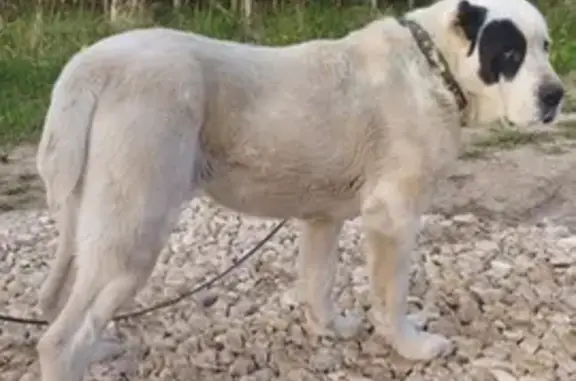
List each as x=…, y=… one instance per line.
x=130, y=201
x=67, y=347
x=56, y=288
x=117, y=250
x=318, y=259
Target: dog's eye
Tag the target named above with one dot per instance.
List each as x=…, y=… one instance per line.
x=512, y=55
x=546, y=46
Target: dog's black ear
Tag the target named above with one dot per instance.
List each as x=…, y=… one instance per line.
x=469, y=19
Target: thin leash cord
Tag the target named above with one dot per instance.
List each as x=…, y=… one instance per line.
x=177, y=299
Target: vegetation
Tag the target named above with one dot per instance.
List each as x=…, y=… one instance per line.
x=36, y=39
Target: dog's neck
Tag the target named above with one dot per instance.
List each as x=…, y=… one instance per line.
x=425, y=31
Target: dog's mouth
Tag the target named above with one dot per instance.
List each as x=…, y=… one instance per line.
x=546, y=117
x=506, y=122
x=549, y=116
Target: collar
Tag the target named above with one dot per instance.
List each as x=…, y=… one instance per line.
x=435, y=59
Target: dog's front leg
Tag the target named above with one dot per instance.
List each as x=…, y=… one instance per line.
x=318, y=259
x=390, y=217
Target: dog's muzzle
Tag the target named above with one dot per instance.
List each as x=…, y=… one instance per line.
x=550, y=97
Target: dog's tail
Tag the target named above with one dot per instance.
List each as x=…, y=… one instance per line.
x=62, y=152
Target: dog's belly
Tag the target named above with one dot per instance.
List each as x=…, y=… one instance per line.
x=286, y=197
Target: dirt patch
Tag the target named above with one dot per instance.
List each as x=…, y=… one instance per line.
x=20, y=186
x=526, y=183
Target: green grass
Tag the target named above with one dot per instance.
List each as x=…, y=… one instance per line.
x=507, y=138
x=33, y=49
x=567, y=130
x=561, y=18
x=570, y=83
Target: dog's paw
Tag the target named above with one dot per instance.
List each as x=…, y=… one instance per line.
x=339, y=326
x=414, y=344
x=106, y=349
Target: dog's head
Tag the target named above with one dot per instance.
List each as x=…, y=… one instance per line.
x=500, y=56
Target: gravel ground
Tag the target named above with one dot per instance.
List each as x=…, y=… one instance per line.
x=505, y=295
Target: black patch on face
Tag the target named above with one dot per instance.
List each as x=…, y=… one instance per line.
x=470, y=19
x=502, y=49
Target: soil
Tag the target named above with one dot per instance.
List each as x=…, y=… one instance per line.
x=526, y=184
x=20, y=186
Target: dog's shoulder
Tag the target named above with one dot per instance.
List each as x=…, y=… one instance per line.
x=384, y=51
x=380, y=37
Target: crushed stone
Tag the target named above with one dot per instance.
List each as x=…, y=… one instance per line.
x=506, y=296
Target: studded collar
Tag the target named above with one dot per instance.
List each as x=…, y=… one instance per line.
x=436, y=60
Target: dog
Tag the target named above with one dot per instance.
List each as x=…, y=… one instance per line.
x=320, y=131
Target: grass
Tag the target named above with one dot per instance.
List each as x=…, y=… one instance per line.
x=561, y=18
x=507, y=138
x=34, y=47
x=570, y=83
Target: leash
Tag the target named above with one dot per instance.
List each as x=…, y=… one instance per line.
x=172, y=301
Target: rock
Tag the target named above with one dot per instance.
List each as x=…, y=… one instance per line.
x=301, y=375
x=501, y=375
x=226, y=357
x=559, y=259
x=345, y=376
x=468, y=309
x=297, y=335
x=487, y=246
x=241, y=366
x=325, y=360
x=464, y=219
x=244, y=307
x=514, y=334
x=569, y=342
x=415, y=377
x=377, y=372
x=567, y=243
x=500, y=269
x=209, y=300
x=206, y=359
x=468, y=348
x=259, y=375
x=530, y=344
x=233, y=340
x=557, y=232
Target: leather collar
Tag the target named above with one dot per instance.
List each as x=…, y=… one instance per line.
x=435, y=59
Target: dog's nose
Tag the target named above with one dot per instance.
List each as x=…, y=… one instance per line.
x=551, y=94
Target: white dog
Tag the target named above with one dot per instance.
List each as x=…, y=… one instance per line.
x=320, y=131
